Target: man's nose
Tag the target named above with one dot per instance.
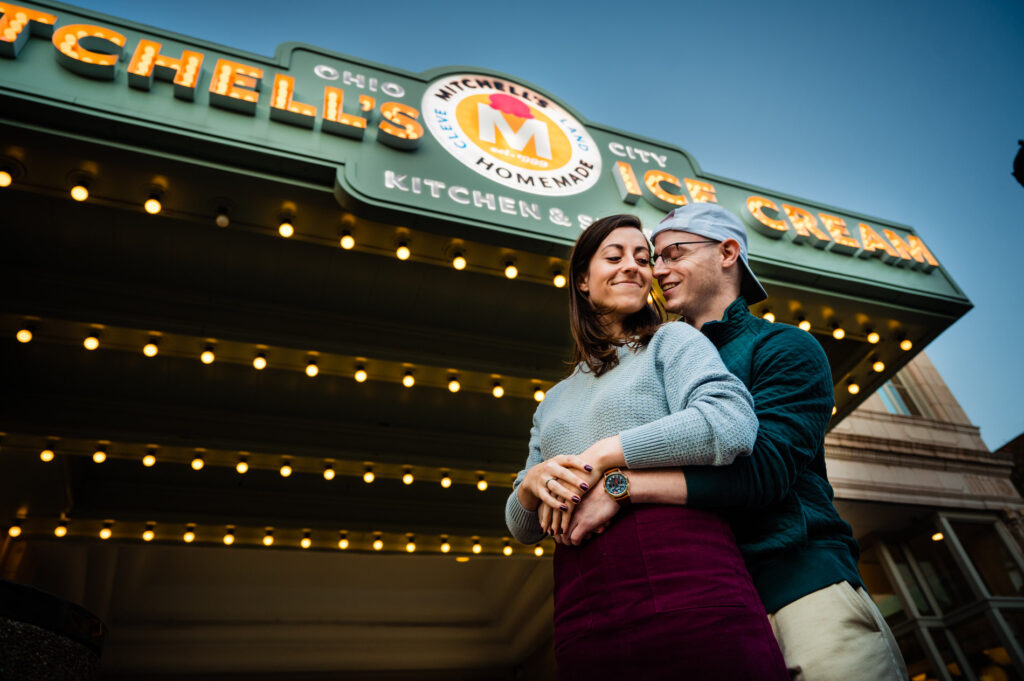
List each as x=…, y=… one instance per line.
x=659, y=268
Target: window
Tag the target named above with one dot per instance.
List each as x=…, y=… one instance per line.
x=897, y=397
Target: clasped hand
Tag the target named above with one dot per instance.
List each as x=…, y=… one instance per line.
x=560, y=486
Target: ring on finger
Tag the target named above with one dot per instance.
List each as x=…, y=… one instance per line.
x=546, y=483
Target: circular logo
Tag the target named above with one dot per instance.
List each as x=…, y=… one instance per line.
x=511, y=135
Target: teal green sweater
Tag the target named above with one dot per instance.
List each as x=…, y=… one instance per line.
x=778, y=499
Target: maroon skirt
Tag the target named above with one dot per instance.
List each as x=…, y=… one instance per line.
x=662, y=594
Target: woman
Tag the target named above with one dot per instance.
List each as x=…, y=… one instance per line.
x=662, y=592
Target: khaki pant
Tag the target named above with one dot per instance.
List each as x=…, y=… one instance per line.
x=837, y=634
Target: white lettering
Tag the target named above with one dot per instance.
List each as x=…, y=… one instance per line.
x=392, y=181
x=491, y=122
x=529, y=210
x=480, y=199
x=463, y=194
x=507, y=205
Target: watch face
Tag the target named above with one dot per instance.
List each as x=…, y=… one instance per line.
x=616, y=484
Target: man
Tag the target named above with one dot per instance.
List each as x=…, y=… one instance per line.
x=800, y=553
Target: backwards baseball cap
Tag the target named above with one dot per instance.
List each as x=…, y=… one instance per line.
x=711, y=221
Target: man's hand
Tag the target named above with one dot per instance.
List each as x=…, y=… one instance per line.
x=591, y=515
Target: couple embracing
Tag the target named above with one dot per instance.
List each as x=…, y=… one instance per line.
x=680, y=469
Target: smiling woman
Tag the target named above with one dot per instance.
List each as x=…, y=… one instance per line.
x=643, y=395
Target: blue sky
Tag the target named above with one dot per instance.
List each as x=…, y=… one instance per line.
x=909, y=111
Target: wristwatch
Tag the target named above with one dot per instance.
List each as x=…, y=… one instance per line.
x=616, y=484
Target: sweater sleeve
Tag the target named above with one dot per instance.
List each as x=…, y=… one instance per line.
x=711, y=417
x=525, y=525
x=792, y=387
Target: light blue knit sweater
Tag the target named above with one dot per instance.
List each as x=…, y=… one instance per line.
x=672, y=403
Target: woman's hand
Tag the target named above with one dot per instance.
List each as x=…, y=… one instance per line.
x=560, y=483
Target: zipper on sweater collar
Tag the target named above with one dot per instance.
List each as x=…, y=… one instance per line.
x=736, y=320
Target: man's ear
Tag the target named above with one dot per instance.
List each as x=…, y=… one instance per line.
x=730, y=252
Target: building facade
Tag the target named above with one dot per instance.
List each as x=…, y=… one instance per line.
x=274, y=330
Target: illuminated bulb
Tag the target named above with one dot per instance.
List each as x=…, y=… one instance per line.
x=446, y=481
x=5, y=178
x=152, y=205
x=149, y=460
x=402, y=252
x=99, y=456
x=79, y=192
x=305, y=542
x=189, y=536
x=222, y=219
x=511, y=271
x=834, y=409
x=329, y=472
x=343, y=542
x=198, y=463
x=360, y=375
x=207, y=357
x=378, y=544
x=285, y=229
x=853, y=388
x=368, y=476
x=906, y=345
x=148, y=535
x=459, y=261
x=286, y=470
x=445, y=546
x=804, y=325
x=268, y=538
x=242, y=466
x=14, y=530
x=538, y=551
x=878, y=366
x=410, y=546
x=838, y=333
x=91, y=342
x=938, y=536
x=312, y=369
x=481, y=484
x=477, y=548
x=150, y=349
x=497, y=390
x=24, y=335
x=538, y=395
x=453, y=385
x=408, y=380
x=348, y=242
x=407, y=478
x=507, y=550
x=46, y=455
x=873, y=337
x=559, y=280
x=61, y=530
x=106, y=532
x=769, y=316
x=259, y=362
x=229, y=538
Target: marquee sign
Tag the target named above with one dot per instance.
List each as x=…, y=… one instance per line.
x=456, y=144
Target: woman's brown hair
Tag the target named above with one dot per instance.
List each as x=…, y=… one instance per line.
x=593, y=346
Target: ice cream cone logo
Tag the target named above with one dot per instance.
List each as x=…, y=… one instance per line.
x=511, y=135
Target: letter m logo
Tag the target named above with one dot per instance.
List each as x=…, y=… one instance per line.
x=492, y=123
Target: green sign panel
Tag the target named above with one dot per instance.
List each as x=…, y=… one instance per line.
x=457, y=144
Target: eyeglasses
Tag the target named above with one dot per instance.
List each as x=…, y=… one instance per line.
x=672, y=252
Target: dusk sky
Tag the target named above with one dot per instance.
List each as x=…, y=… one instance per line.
x=909, y=111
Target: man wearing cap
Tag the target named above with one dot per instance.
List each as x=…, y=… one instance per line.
x=800, y=553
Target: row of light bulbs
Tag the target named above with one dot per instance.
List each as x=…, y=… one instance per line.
x=189, y=536
x=260, y=362
x=198, y=462
x=79, y=191
x=839, y=333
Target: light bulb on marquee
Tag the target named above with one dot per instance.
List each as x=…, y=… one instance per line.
x=368, y=475
x=477, y=547
x=100, y=455
x=311, y=368
x=410, y=546
x=348, y=242
x=223, y=219
x=559, y=280
x=459, y=261
x=268, y=537
x=878, y=366
x=498, y=391
x=538, y=395
x=768, y=316
x=328, y=472
x=61, y=529
x=873, y=337
x=5, y=179
x=91, y=342
x=407, y=477
x=306, y=540
x=538, y=551
x=242, y=467
x=24, y=335
x=106, y=532
x=14, y=531
x=152, y=204
x=511, y=271
x=148, y=534
x=837, y=332
x=453, y=385
x=445, y=546
x=408, y=380
x=46, y=455
x=402, y=252
x=229, y=536
x=207, y=356
x=804, y=325
x=481, y=483
x=378, y=544
x=286, y=229
x=285, y=470
x=150, y=349
x=198, y=462
x=80, y=192
x=149, y=460
x=446, y=480
x=342, y=541
x=360, y=375
x=507, y=549
x=853, y=388
x=906, y=344
x=189, y=536
x=259, y=362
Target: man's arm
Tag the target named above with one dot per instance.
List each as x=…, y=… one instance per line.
x=791, y=383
